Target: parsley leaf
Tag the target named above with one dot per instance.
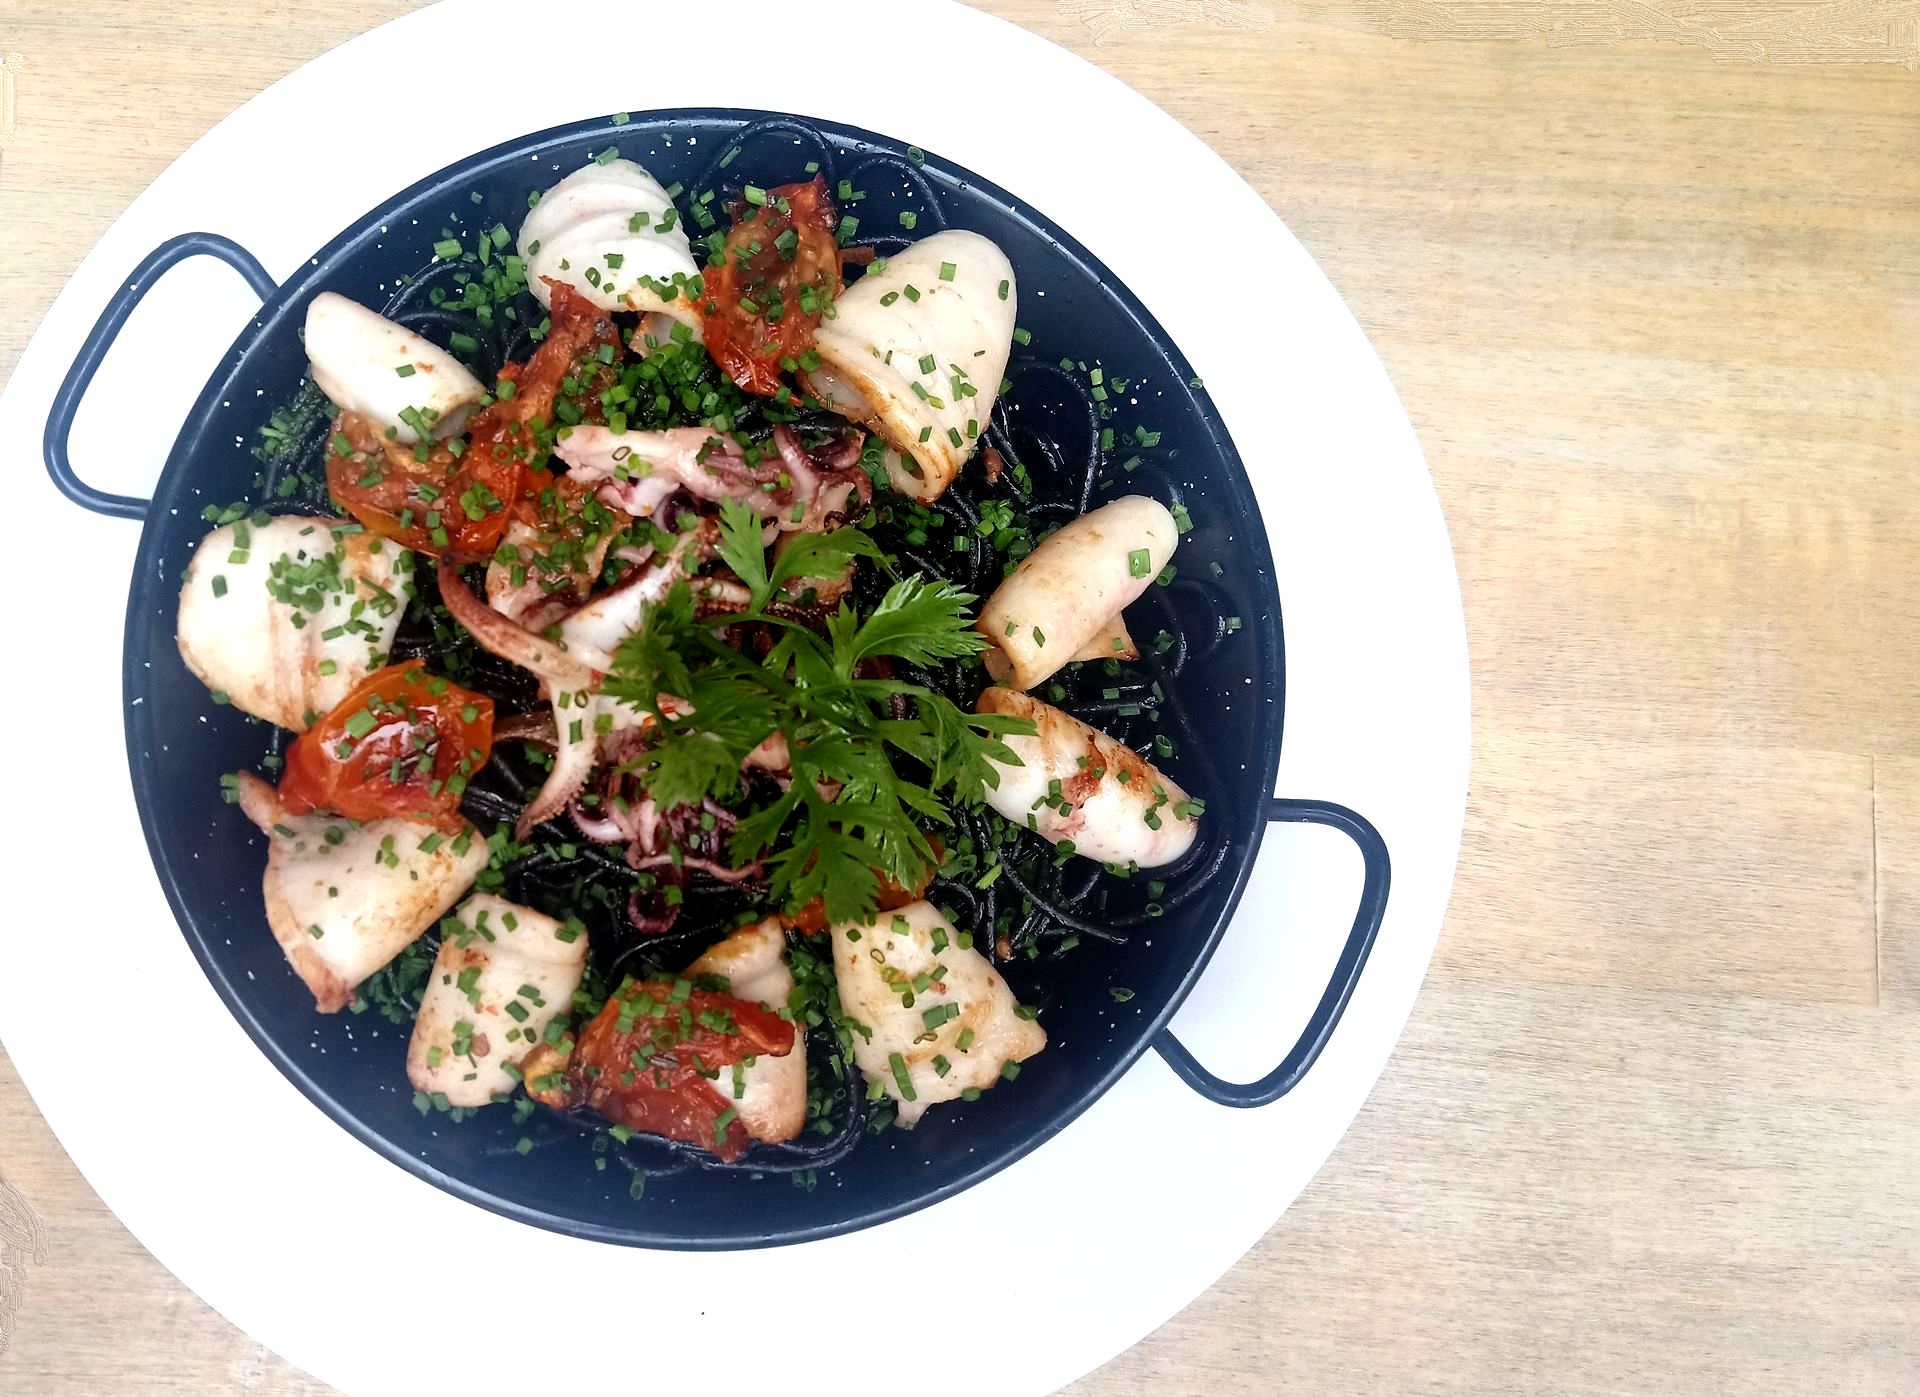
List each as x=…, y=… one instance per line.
x=742, y=550
x=865, y=784
x=916, y=621
x=820, y=556
x=801, y=556
x=652, y=657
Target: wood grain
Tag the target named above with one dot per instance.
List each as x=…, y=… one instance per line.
x=1655, y=1126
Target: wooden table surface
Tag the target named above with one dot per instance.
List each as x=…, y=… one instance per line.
x=1654, y=307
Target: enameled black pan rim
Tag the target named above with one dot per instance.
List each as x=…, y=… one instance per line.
x=276, y=309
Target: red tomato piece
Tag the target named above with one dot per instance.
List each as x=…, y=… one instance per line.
x=403, y=742
x=452, y=498
x=778, y=273
x=642, y=1062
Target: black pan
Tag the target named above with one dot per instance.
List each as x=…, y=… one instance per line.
x=1107, y=974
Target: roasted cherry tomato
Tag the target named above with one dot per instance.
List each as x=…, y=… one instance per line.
x=775, y=278
x=431, y=500
x=644, y=1061
x=452, y=498
x=403, y=742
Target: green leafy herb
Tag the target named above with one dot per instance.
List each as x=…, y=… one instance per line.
x=865, y=782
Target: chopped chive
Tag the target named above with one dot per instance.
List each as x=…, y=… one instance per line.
x=900, y=1077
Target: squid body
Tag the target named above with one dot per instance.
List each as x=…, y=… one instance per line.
x=916, y=352
x=1063, y=602
x=917, y=1061
x=284, y=617
x=771, y=1092
x=1076, y=783
x=343, y=899
x=503, y=973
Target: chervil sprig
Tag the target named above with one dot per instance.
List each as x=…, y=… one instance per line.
x=874, y=761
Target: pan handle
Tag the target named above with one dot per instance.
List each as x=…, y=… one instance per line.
x=1333, y=1002
x=66, y=403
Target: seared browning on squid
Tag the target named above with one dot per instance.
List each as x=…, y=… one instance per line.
x=504, y=971
x=916, y=352
x=1078, y=784
x=900, y=974
x=344, y=899
x=285, y=617
x=1064, y=599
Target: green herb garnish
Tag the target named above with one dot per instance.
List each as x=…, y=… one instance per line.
x=865, y=782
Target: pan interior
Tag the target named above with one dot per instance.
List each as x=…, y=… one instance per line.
x=1217, y=707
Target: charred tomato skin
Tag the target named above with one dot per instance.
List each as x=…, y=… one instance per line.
x=777, y=254
x=401, y=743
x=455, y=498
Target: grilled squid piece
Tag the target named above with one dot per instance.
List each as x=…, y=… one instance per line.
x=916, y=353
x=916, y=1061
x=611, y=232
x=586, y=725
x=537, y=599
x=1113, y=641
x=368, y=365
x=1064, y=599
x=344, y=899
x=771, y=1092
x=503, y=972
x=570, y=670
x=638, y=471
x=285, y=617
x=1079, y=784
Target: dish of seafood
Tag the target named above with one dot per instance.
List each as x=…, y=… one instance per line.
x=640, y=751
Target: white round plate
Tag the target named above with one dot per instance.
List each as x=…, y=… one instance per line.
x=358, y=1272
